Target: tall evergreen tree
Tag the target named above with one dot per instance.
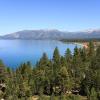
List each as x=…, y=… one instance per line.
x=93, y=95
x=2, y=72
x=91, y=49
x=95, y=62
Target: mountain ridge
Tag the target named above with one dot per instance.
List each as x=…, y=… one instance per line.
x=52, y=34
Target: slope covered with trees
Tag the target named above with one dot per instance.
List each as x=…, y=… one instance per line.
x=65, y=77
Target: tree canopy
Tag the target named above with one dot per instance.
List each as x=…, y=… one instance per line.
x=60, y=78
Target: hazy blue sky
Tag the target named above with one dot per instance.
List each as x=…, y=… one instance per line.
x=69, y=15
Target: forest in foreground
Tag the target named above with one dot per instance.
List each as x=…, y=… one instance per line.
x=74, y=76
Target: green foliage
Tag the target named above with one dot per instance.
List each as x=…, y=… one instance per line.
x=93, y=95
x=54, y=79
x=2, y=72
x=91, y=49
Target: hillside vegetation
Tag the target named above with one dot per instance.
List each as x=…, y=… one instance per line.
x=70, y=77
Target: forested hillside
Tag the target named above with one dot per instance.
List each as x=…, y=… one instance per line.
x=70, y=77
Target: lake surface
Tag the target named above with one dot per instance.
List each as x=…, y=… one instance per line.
x=15, y=52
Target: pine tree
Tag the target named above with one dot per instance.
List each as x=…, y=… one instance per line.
x=95, y=63
x=77, y=65
x=56, y=60
x=91, y=49
x=2, y=72
x=68, y=55
x=97, y=81
x=93, y=95
x=64, y=79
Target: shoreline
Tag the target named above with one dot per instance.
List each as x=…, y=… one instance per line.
x=85, y=45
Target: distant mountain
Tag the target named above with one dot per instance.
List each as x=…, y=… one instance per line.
x=52, y=34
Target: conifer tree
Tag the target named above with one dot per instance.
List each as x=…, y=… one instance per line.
x=93, y=95
x=2, y=72
x=91, y=49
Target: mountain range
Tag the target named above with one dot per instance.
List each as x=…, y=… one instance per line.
x=52, y=34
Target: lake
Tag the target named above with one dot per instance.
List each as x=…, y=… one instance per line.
x=15, y=52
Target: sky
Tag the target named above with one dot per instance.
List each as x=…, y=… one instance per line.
x=65, y=15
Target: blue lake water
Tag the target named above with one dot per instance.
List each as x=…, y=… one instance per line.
x=15, y=52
